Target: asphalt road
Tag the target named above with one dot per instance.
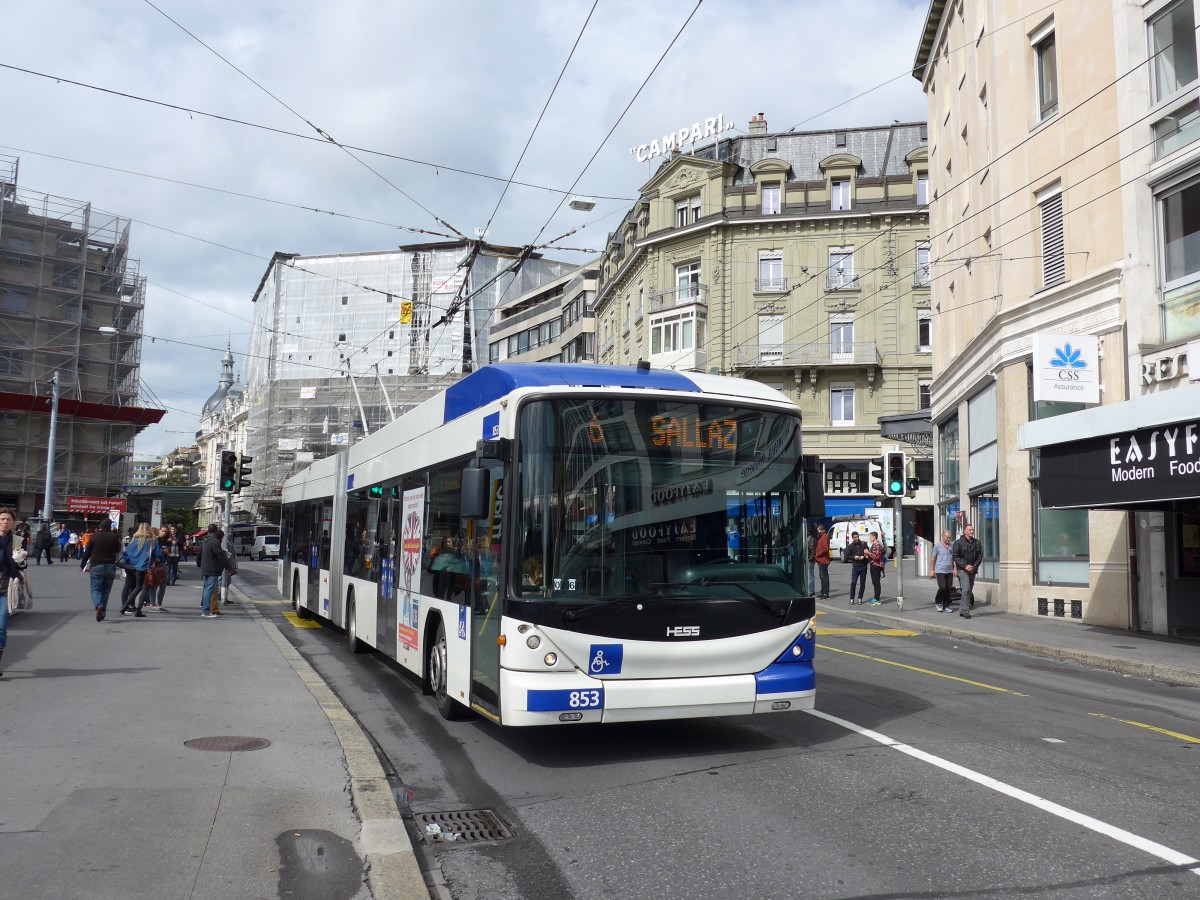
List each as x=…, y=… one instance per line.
x=931, y=769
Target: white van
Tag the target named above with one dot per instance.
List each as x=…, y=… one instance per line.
x=266, y=546
x=839, y=535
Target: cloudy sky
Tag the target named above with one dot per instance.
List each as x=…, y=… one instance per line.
x=428, y=88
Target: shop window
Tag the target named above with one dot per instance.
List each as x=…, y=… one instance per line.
x=1189, y=539
x=947, y=443
x=985, y=516
x=1060, y=535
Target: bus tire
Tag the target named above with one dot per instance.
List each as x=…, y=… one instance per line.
x=450, y=708
x=300, y=608
x=356, y=646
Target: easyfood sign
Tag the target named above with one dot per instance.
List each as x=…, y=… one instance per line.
x=1066, y=368
x=674, y=140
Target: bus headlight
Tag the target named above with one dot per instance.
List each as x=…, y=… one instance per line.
x=797, y=650
x=533, y=642
x=550, y=659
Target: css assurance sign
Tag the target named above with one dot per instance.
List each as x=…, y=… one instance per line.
x=1066, y=368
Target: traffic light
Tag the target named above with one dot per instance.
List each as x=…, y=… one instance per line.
x=875, y=470
x=897, y=482
x=227, y=476
x=243, y=473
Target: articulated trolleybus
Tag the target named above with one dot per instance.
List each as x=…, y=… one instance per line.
x=546, y=543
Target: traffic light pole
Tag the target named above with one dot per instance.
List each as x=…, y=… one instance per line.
x=898, y=537
x=228, y=549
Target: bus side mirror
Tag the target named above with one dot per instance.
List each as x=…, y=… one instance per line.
x=814, y=495
x=474, y=499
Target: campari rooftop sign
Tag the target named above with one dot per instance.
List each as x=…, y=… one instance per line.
x=688, y=134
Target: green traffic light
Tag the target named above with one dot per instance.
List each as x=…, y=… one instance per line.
x=896, y=487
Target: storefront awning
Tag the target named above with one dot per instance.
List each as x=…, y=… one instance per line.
x=1142, y=453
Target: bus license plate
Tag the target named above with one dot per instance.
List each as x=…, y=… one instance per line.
x=554, y=701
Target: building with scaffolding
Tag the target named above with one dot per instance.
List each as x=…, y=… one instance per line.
x=342, y=344
x=71, y=303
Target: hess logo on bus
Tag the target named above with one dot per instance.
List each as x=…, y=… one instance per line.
x=683, y=631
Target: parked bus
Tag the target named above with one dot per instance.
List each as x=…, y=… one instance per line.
x=548, y=543
x=242, y=537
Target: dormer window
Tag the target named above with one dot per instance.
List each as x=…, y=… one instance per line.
x=771, y=199
x=839, y=194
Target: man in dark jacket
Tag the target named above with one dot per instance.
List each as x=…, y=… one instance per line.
x=968, y=554
x=102, y=552
x=42, y=544
x=214, y=561
x=856, y=553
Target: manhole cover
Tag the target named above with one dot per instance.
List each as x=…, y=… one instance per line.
x=1060, y=669
x=467, y=826
x=227, y=743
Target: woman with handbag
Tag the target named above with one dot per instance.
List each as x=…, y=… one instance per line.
x=159, y=573
x=142, y=551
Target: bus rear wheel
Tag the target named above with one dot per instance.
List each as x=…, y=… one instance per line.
x=296, y=604
x=439, y=676
x=356, y=646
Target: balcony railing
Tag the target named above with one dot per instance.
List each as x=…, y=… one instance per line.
x=770, y=285
x=922, y=277
x=858, y=353
x=692, y=293
x=843, y=282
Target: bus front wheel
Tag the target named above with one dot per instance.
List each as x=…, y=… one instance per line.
x=439, y=676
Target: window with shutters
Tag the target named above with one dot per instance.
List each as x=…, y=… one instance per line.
x=1054, y=257
x=770, y=337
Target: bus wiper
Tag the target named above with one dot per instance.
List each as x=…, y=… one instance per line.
x=756, y=597
x=609, y=604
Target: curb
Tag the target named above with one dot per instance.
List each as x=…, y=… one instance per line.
x=1173, y=675
x=391, y=863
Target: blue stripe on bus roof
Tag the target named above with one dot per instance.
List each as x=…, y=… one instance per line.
x=493, y=382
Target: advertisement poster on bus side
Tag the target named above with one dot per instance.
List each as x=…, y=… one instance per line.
x=412, y=532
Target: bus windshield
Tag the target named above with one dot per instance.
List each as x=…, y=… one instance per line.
x=661, y=499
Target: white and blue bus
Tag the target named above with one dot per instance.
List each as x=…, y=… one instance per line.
x=547, y=543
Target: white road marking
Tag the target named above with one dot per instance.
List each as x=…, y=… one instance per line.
x=1053, y=741
x=1146, y=845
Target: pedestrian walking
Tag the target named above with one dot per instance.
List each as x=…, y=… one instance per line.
x=158, y=592
x=138, y=556
x=64, y=541
x=943, y=571
x=821, y=556
x=8, y=571
x=42, y=543
x=100, y=561
x=856, y=552
x=72, y=545
x=968, y=554
x=175, y=551
x=214, y=561
x=876, y=564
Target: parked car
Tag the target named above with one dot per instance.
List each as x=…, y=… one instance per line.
x=266, y=546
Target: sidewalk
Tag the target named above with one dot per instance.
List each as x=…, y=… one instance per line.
x=101, y=798
x=1169, y=660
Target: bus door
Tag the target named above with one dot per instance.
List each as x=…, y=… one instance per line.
x=318, y=552
x=480, y=613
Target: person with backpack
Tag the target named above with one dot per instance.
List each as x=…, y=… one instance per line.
x=877, y=564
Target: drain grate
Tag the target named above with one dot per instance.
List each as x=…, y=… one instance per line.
x=227, y=743
x=466, y=826
x=1058, y=669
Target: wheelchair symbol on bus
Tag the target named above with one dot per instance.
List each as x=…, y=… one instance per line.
x=605, y=659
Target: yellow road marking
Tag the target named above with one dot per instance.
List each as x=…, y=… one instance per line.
x=886, y=632
x=301, y=623
x=1174, y=734
x=888, y=662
